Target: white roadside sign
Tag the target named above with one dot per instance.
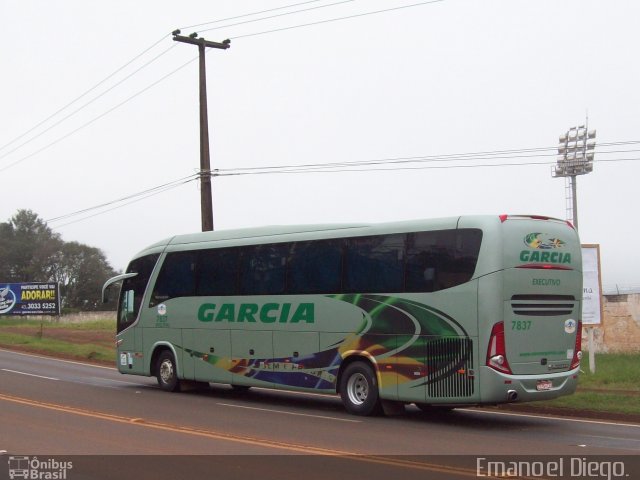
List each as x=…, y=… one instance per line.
x=591, y=296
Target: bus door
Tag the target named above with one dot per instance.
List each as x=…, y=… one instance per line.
x=129, y=338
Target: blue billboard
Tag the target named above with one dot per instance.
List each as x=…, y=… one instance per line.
x=30, y=298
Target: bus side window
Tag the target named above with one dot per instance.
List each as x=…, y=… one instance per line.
x=375, y=264
x=176, y=278
x=263, y=269
x=441, y=259
x=218, y=272
x=315, y=267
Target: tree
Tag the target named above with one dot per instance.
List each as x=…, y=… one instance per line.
x=28, y=248
x=81, y=273
x=31, y=252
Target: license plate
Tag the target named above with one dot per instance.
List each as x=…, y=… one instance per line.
x=543, y=385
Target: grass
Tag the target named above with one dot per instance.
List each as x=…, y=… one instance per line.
x=614, y=371
x=596, y=402
x=85, y=341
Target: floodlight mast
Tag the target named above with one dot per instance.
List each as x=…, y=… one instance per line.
x=575, y=158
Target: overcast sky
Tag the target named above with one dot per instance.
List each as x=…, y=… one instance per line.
x=431, y=80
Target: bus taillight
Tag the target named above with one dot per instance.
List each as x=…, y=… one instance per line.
x=577, y=351
x=497, y=353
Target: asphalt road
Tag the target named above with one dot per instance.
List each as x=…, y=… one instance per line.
x=54, y=408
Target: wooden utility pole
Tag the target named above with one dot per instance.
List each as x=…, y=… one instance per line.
x=206, y=199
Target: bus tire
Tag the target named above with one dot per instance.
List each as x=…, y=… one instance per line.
x=359, y=389
x=167, y=372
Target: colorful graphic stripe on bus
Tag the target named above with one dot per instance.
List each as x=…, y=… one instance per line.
x=396, y=332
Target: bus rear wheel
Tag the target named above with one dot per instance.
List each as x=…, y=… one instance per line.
x=167, y=373
x=359, y=389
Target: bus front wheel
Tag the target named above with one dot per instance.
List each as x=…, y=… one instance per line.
x=167, y=373
x=359, y=389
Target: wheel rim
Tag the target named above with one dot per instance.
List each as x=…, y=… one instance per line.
x=357, y=389
x=166, y=371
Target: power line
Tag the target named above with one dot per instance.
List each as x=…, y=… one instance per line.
x=85, y=93
x=460, y=157
x=122, y=199
x=220, y=173
x=278, y=15
x=54, y=114
x=348, y=17
x=137, y=197
x=248, y=14
x=83, y=106
x=141, y=195
x=49, y=145
x=6, y=167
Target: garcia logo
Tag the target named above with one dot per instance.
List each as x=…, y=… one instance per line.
x=544, y=249
x=543, y=241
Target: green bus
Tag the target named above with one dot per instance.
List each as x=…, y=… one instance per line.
x=447, y=312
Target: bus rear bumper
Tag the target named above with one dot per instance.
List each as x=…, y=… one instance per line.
x=501, y=388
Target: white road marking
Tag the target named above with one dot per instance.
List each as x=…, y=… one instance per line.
x=44, y=357
x=291, y=413
x=29, y=374
x=550, y=417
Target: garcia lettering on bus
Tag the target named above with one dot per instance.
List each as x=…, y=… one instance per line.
x=252, y=312
x=550, y=257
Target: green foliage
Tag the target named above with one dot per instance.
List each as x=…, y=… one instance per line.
x=613, y=371
x=597, y=401
x=613, y=388
x=58, y=347
x=91, y=340
x=31, y=252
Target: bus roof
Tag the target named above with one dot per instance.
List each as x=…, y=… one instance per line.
x=287, y=233
x=284, y=233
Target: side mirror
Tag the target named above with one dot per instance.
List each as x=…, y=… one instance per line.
x=111, y=281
